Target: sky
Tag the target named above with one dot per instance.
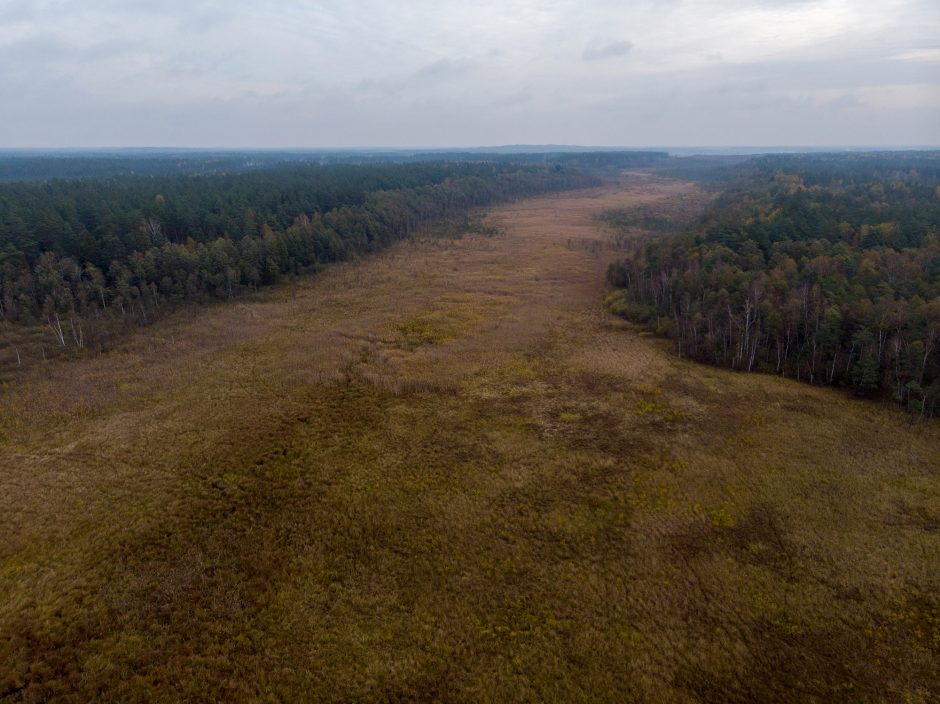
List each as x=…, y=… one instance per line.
x=436, y=73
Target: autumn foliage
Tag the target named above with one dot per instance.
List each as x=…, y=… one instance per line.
x=824, y=268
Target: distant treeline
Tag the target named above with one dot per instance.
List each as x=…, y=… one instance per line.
x=28, y=166
x=126, y=244
x=44, y=166
x=821, y=267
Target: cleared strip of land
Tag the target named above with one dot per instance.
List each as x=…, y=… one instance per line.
x=445, y=472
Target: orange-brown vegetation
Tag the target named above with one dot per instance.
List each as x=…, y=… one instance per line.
x=445, y=472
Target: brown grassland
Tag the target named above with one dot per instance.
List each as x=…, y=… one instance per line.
x=446, y=473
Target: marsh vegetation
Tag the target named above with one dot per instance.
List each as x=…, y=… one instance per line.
x=446, y=472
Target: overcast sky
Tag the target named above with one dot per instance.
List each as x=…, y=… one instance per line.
x=334, y=73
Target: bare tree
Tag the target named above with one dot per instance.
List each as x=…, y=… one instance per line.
x=56, y=328
x=79, y=335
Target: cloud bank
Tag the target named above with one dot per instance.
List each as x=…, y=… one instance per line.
x=330, y=73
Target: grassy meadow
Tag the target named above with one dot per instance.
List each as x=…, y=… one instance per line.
x=446, y=473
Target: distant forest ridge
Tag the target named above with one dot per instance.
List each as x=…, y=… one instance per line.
x=45, y=164
x=38, y=165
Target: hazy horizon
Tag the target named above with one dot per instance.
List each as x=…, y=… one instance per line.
x=680, y=150
x=713, y=74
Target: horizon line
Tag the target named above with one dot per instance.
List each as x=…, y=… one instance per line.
x=604, y=147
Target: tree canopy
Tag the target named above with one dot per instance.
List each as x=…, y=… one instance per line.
x=88, y=245
x=821, y=267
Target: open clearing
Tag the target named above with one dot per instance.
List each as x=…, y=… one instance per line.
x=446, y=473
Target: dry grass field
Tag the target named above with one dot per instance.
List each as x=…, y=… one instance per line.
x=446, y=473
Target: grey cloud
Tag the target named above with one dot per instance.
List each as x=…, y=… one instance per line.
x=818, y=74
x=19, y=10
x=847, y=101
x=607, y=51
x=434, y=72
x=444, y=68
x=36, y=58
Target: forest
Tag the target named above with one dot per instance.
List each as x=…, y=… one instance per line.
x=92, y=246
x=825, y=268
